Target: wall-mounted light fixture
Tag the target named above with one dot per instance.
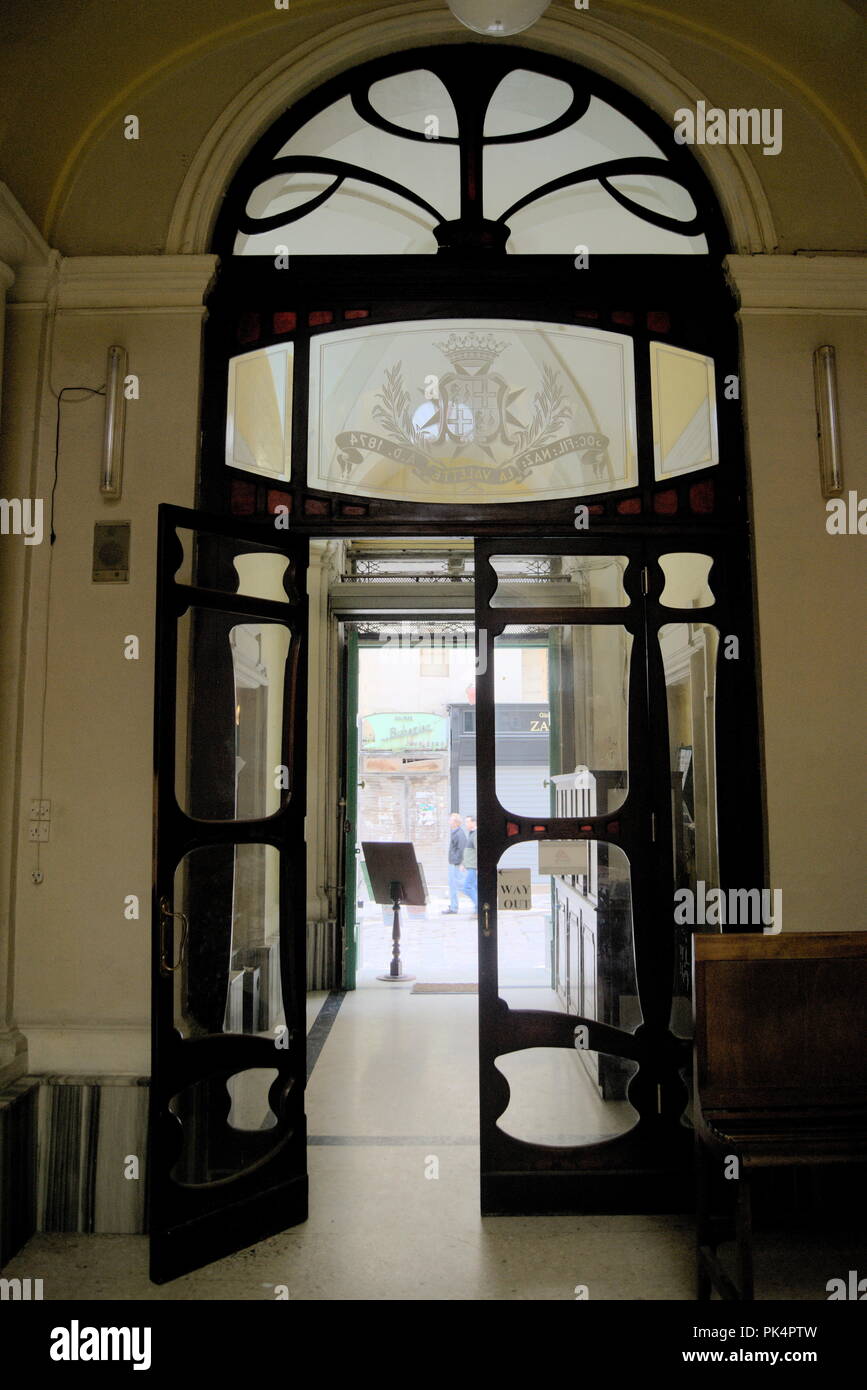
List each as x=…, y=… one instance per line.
x=828, y=421
x=498, y=17
x=111, y=472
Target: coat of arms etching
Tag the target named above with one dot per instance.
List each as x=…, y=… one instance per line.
x=466, y=428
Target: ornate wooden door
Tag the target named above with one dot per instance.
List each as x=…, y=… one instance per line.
x=227, y=1142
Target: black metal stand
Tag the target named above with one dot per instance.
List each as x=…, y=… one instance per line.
x=395, y=972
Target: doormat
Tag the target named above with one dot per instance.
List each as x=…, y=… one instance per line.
x=444, y=989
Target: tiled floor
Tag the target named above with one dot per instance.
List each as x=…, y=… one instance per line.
x=393, y=1100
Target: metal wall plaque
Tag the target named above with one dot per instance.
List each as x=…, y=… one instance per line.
x=111, y=552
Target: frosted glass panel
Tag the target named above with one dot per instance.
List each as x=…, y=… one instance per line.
x=684, y=411
x=259, y=412
x=526, y=101
x=475, y=411
x=686, y=580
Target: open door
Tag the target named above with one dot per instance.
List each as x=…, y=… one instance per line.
x=227, y=1138
x=585, y=1101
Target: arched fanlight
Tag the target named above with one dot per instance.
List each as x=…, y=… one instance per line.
x=497, y=17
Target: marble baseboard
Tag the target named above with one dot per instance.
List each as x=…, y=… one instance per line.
x=89, y=1128
x=18, y=1122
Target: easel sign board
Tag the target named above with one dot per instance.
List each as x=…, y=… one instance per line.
x=394, y=863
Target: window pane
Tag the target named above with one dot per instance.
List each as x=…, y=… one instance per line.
x=551, y=581
x=474, y=411
x=259, y=412
x=229, y=980
x=566, y=945
x=684, y=410
x=230, y=720
x=689, y=653
x=560, y=1098
x=561, y=713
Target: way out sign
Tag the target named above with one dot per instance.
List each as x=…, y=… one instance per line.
x=513, y=890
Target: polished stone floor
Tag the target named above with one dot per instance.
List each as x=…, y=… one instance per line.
x=392, y=1100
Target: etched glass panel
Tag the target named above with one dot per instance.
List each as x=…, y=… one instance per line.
x=462, y=410
x=684, y=411
x=259, y=412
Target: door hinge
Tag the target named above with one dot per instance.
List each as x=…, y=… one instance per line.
x=645, y=580
x=653, y=826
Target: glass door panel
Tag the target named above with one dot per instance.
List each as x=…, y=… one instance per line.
x=584, y=672
x=689, y=656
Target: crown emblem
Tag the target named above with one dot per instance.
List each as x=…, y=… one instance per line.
x=471, y=352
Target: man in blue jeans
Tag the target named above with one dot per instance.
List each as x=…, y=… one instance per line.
x=457, y=845
x=471, y=881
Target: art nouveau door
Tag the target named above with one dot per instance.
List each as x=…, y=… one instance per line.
x=227, y=1140
x=585, y=1084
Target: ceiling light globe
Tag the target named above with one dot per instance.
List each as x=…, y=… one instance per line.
x=497, y=18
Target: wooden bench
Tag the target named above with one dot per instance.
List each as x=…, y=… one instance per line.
x=780, y=1072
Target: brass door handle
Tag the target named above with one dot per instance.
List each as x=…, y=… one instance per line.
x=165, y=915
x=486, y=919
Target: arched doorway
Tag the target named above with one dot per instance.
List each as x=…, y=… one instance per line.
x=465, y=291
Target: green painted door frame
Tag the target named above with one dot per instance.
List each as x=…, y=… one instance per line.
x=350, y=809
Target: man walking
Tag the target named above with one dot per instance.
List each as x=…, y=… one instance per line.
x=471, y=881
x=457, y=845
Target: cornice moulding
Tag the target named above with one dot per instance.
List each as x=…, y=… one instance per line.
x=792, y=284
x=135, y=282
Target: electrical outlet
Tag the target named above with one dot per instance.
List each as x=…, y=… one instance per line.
x=40, y=810
x=38, y=831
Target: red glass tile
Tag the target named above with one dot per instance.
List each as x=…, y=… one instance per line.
x=314, y=506
x=658, y=321
x=249, y=328
x=539, y=829
x=586, y=313
x=613, y=827
x=596, y=510
x=587, y=829
x=512, y=828
x=623, y=316
x=353, y=511
x=356, y=314
x=319, y=316
x=665, y=502
x=630, y=506
x=242, y=498
x=278, y=499
x=701, y=497
x=285, y=323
